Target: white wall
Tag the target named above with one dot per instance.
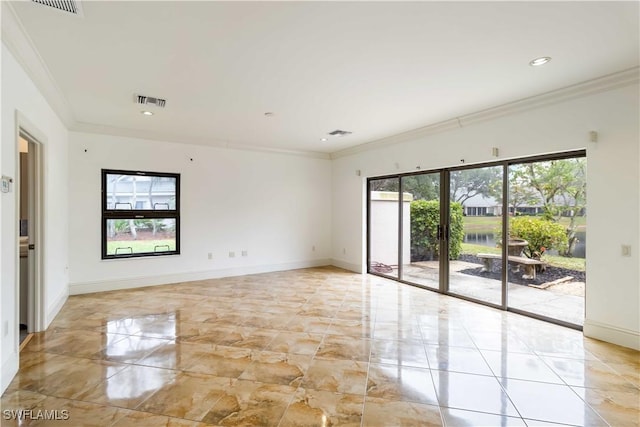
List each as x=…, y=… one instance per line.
x=613, y=184
x=275, y=206
x=20, y=94
x=384, y=228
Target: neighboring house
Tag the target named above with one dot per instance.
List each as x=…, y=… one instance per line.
x=130, y=194
x=480, y=205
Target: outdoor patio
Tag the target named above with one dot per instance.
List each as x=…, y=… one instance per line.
x=564, y=301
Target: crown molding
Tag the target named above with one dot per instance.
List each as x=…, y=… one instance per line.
x=15, y=37
x=92, y=128
x=579, y=90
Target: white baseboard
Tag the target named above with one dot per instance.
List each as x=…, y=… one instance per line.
x=54, y=309
x=612, y=334
x=9, y=370
x=138, y=282
x=347, y=265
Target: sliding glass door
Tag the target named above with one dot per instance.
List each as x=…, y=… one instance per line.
x=384, y=226
x=475, y=229
x=509, y=234
x=421, y=229
x=547, y=217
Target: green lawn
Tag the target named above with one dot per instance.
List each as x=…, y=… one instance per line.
x=140, y=246
x=479, y=224
x=578, y=264
x=471, y=249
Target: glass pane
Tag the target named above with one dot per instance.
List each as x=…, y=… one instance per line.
x=142, y=192
x=140, y=236
x=475, y=269
x=547, y=207
x=384, y=227
x=421, y=218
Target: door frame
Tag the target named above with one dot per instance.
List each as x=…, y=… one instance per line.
x=444, y=220
x=37, y=292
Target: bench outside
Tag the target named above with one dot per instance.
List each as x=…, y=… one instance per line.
x=529, y=264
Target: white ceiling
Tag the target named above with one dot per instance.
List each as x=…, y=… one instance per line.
x=373, y=68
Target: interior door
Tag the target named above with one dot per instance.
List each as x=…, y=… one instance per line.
x=32, y=193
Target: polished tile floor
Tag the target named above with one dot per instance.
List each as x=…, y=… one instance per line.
x=315, y=347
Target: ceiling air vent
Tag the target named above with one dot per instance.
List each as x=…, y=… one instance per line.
x=69, y=6
x=339, y=132
x=149, y=100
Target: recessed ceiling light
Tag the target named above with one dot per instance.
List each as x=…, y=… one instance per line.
x=147, y=113
x=323, y=139
x=539, y=61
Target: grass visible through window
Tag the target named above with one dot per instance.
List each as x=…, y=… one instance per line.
x=140, y=246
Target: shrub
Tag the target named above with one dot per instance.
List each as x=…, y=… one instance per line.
x=541, y=234
x=425, y=218
x=121, y=226
x=456, y=233
x=149, y=224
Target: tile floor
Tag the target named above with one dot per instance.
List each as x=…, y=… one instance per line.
x=315, y=347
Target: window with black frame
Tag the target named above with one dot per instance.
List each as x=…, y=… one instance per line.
x=140, y=214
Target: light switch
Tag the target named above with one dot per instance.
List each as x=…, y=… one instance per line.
x=6, y=184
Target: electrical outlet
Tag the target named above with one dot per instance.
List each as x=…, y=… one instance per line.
x=210, y=255
x=313, y=248
x=232, y=254
x=344, y=250
x=245, y=253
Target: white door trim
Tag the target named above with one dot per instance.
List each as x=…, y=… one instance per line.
x=37, y=308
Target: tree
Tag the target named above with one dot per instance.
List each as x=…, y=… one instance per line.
x=520, y=192
x=562, y=187
x=154, y=222
x=132, y=224
x=468, y=183
x=112, y=229
x=423, y=187
x=575, y=197
x=385, y=184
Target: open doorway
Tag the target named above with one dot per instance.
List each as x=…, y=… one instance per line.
x=29, y=195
